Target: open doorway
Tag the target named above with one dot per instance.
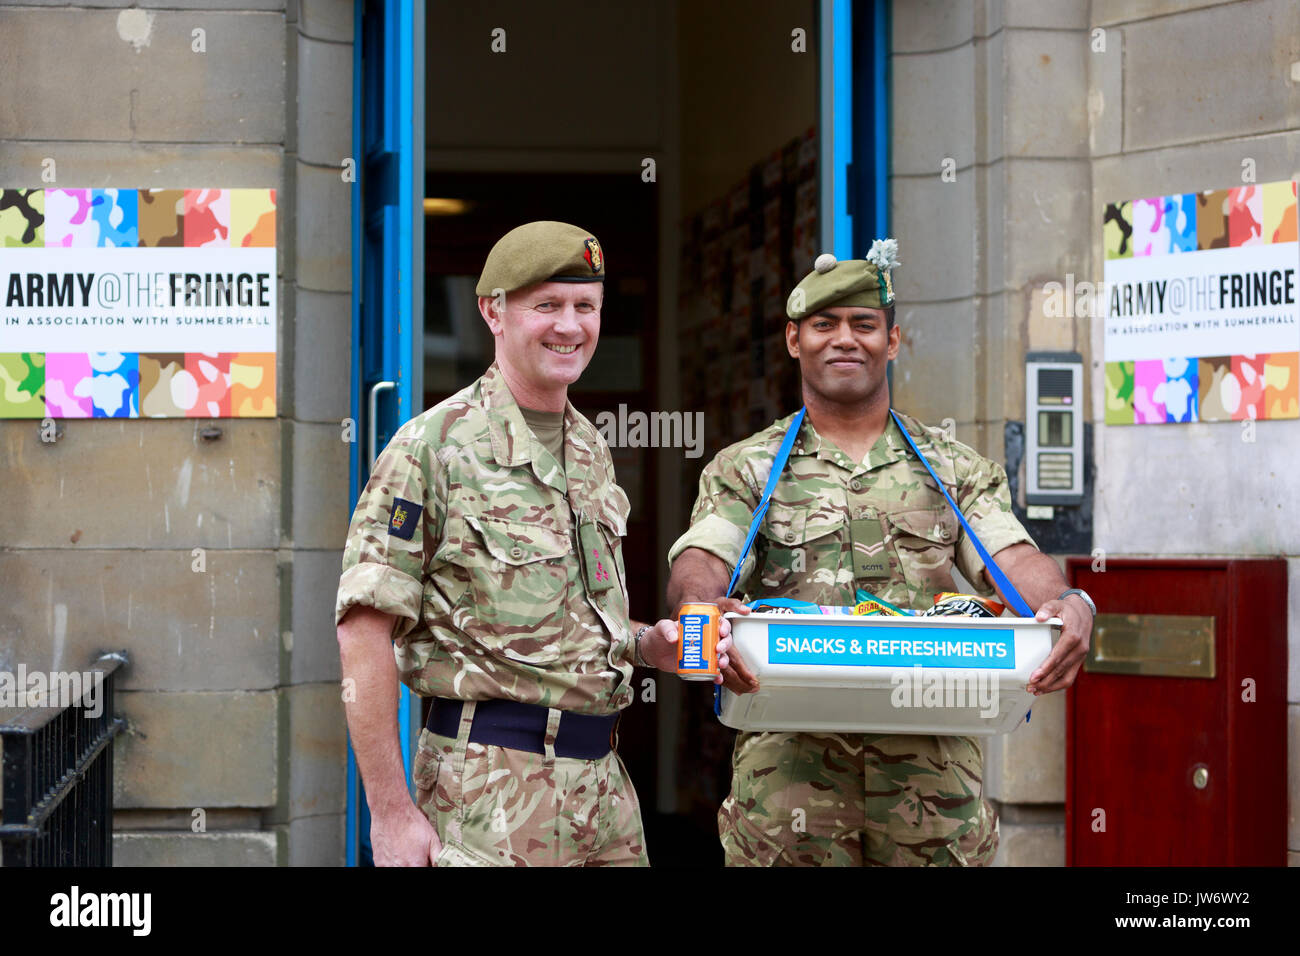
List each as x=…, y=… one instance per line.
x=685, y=137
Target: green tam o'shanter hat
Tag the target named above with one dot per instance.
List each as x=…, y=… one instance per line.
x=862, y=282
x=543, y=251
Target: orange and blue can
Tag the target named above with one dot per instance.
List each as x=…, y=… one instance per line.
x=697, y=656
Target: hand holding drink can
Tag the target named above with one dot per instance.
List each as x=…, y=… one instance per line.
x=697, y=657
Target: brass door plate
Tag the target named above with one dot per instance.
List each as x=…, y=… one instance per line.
x=1154, y=645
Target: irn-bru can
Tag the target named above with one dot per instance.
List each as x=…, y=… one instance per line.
x=697, y=624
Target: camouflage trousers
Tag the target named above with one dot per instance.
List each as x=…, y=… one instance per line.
x=856, y=800
x=494, y=806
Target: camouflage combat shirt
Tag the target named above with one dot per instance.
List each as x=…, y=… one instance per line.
x=835, y=525
x=504, y=569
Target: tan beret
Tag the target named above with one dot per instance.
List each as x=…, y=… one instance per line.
x=850, y=282
x=541, y=252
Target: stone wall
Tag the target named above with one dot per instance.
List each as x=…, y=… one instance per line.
x=1041, y=125
x=232, y=691
x=1180, y=111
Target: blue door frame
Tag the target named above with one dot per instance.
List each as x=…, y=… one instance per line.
x=387, y=276
x=853, y=128
x=853, y=125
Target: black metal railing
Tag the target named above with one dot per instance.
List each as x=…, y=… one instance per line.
x=56, y=775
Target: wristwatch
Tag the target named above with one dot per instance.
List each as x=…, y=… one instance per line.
x=640, y=661
x=1083, y=594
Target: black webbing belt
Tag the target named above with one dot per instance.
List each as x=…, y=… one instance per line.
x=507, y=723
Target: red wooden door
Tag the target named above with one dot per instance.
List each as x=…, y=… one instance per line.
x=1135, y=743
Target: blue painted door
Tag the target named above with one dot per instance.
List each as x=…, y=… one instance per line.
x=387, y=274
x=853, y=124
x=853, y=127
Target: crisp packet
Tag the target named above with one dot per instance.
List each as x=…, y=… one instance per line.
x=789, y=606
x=783, y=606
x=952, y=604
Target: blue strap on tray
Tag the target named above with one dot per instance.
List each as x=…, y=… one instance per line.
x=1003, y=582
x=778, y=465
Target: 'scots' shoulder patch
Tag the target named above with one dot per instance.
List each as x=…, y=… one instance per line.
x=405, y=518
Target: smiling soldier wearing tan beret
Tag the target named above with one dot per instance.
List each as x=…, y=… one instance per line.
x=487, y=547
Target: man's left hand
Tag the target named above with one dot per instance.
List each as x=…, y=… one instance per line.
x=1063, y=663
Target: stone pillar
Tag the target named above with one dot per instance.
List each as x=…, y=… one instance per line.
x=990, y=200
x=212, y=561
x=316, y=800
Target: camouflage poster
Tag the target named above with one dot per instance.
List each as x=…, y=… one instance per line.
x=138, y=303
x=1200, y=304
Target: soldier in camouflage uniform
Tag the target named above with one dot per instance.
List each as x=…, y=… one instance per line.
x=853, y=509
x=488, y=546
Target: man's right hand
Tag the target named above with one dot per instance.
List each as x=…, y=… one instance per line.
x=736, y=676
x=404, y=838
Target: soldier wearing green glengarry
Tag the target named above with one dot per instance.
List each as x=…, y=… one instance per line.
x=854, y=508
x=487, y=545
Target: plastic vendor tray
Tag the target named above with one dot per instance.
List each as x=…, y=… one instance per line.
x=909, y=675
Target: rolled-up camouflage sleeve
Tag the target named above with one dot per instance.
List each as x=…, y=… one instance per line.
x=397, y=519
x=985, y=500
x=723, y=511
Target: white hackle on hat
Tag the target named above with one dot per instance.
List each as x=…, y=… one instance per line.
x=884, y=254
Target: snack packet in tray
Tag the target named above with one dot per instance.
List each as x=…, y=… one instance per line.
x=952, y=604
x=871, y=606
x=789, y=606
x=783, y=606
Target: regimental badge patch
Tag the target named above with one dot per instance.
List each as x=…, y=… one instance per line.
x=593, y=254
x=405, y=518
